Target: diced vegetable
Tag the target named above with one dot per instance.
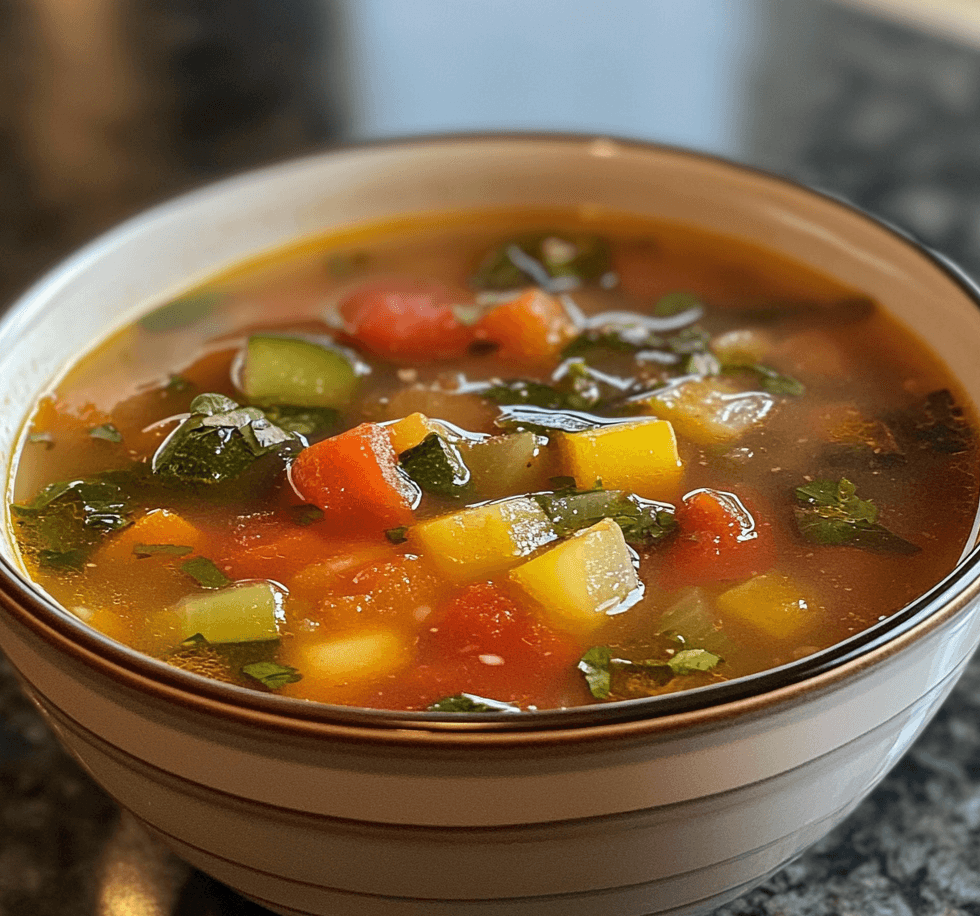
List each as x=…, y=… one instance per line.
x=708, y=410
x=501, y=465
x=534, y=327
x=639, y=456
x=773, y=604
x=248, y=612
x=298, y=372
x=352, y=660
x=719, y=540
x=354, y=478
x=436, y=466
x=160, y=527
x=481, y=541
x=581, y=580
x=409, y=431
x=407, y=319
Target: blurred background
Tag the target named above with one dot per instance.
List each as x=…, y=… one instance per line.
x=108, y=106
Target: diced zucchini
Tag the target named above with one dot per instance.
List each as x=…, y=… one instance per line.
x=773, y=604
x=481, y=541
x=709, y=411
x=505, y=464
x=639, y=456
x=240, y=613
x=583, y=579
x=297, y=371
x=364, y=656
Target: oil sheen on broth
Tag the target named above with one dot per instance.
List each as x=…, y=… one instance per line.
x=489, y=461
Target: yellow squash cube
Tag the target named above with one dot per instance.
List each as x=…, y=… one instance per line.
x=481, y=541
x=773, y=604
x=360, y=657
x=639, y=456
x=583, y=579
x=411, y=430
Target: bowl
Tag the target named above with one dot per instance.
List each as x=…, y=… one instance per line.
x=671, y=805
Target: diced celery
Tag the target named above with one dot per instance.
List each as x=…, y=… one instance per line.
x=481, y=541
x=506, y=464
x=297, y=371
x=638, y=456
x=583, y=579
x=773, y=604
x=248, y=612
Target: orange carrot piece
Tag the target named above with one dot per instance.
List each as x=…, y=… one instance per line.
x=533, y=327
x=159, y=527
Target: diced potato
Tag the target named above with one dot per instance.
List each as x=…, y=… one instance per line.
x=363, y=656
x=481, y=541
x=710, y=411
x=583, y=579
x=411, y=430
x=639, y=456
x=773, y=604
x=239, y=613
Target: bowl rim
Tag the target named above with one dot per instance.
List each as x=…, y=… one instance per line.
x=703, y=707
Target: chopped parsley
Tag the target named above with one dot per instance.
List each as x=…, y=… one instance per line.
x=609, y=677
x=204, y=572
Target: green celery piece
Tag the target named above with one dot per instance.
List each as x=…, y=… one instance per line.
x=831, y=514
x=470, y=702
x=247, y=612
x=542, y=259
x=295, y=371
x=436, y=466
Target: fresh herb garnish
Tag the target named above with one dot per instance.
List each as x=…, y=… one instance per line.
x=772, y=381
x=470, y=702
x=218, y=442
x=611, y=677
x=272, y=674
x=687, y=661
x=397, y=535
x=554, y=262
x=643, y=521
x=155, y=550
x=180, y=312
x=177, y=384
x=831, y=514
x=106, y=431
x=436, y=466
x=595, y=665
x=204, y=572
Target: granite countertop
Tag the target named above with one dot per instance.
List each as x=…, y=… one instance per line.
x=109, y=105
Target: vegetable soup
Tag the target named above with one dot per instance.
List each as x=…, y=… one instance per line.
x=498, y=461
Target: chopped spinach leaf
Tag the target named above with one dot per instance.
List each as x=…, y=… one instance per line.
x=180, y=312
x=397, y=535
x=309, y=422
x=521, y=391
x=155, y=550
x=106, y=431
x=470, y=702
x=272, y=674
x=687, y=661
x=436, y=466
x=831, y=514
x=204, y=572
x=177, y=384
x=643, y=521
x=554, y=262
x=595, y=665
x=609, y=677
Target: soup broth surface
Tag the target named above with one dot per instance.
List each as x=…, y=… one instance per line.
x=498, y=461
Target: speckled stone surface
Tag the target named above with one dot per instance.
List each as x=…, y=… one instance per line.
x=109, y=105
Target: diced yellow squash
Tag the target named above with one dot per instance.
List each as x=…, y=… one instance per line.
x=583, y=579
x=411, y=430
x=159, y=527
x=639, y=456
x=709, y=411
x=248, y=612
x=481, y=541
x=773, y=604
x=363, y=656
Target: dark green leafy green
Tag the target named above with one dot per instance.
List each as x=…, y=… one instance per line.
x=549, y=260
x=644, y=522
x=397, y=535
x=687, y=661
x=106, y=431
x=204, y=572
x=470, y=702
x=595, y=665
x=436, y=466
x=272, y=674
x=155, y=550
x=218, y=442
x=180, y=312
x=830, y=513
x=609, y=677
x=309, y=422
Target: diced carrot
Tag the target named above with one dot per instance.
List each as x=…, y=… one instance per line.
x=534, y=327
x=720, y=539
x=276, y=551
x=407, y=319
x=354, y=479
x=157, y=528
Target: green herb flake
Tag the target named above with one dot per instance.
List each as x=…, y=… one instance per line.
x=436, y=466
x=595, y=664
x=830, y=513
x=469, y=702
x=106, y=431
x=272, y=674
x=155, y=550
x=397, y=535
x=181, y=312
x=204, y=572
x=687, y=661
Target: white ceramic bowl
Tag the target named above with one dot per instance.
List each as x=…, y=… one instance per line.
x=655, y=806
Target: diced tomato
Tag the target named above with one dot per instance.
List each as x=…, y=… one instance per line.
x=354, y=479
x=483, y=643
x=407, y=319
x=719, y=540
x=531, y=328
